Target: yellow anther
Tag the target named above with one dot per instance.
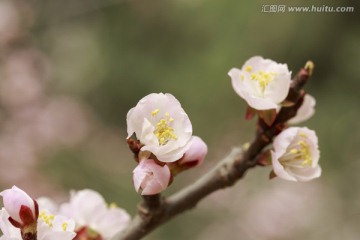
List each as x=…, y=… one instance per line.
x=64, y=226
x=156, y=111
x=302, y=143
x=47, y=218
x=307, y=162
x=294, y=151
x=305, y=153
x=263, y=78
x=167, y=114
x=113, y=205
x=248, y=68
x=303, y=135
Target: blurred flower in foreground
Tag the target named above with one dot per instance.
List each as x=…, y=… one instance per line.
x=306, y=111
x=21, y=207
x=20, y=219
x=22, y=79
x=93, y=217
x=161, y=125
x=16, y=17
x=9, y=22
x=15, y=151
x=279, y=210
x=262, y=83
x=151, y=178
x=63, y=120
x=296, y=155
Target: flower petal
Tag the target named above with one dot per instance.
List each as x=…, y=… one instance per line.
x=111, y=222
x=13, y=199
x=306, y=111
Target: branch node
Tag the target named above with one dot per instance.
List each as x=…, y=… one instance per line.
x=143, y=210
x=224, y=175
x=265, y=138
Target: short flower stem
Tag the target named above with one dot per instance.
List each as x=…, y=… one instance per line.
x=29, y=236
x=152, y=202
x=29, y=232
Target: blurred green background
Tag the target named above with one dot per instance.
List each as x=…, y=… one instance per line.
x=107, y=54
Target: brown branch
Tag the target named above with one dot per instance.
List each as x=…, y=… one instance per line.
x=155, y=210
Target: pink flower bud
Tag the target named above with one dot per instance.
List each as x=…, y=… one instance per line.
x=151, y=178
x=196, y=153
x=23, y=210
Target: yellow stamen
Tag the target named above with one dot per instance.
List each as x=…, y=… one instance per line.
x=303, y=135
x=47, y=218
x=163, y=131
x=64, y=226
x=113, y=205
x=300, y=151
x=248, y=68
x=294, y=151
x=156, y=111
x=263, y=78
x=305, y=153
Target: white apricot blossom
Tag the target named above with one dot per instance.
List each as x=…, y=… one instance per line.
x=306, y=111
x=91, y=213
x=296, y=155
x=262, y=83
x=161, y=125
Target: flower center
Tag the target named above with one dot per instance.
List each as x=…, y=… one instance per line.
x=302, y=152
x=163, y=131
x=263, y=78
x=47, y=218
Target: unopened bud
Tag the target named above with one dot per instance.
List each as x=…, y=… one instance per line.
x=151, y=178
